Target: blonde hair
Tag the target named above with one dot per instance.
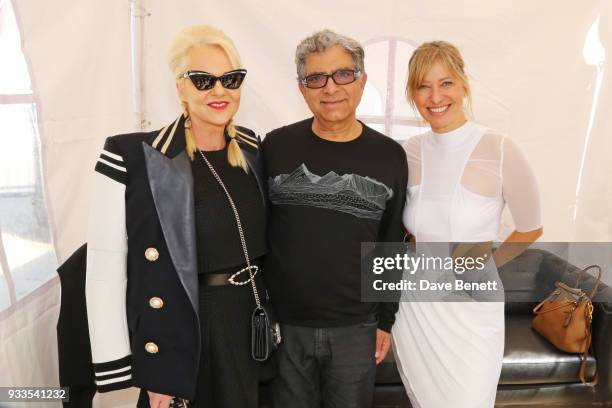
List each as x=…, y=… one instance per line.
x=199, y=36
x=425, y=56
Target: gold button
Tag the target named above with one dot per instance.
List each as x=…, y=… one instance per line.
x=156, y=303
x=151, y=347
x=151, y=254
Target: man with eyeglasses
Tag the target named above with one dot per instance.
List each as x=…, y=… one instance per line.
x=333, y=183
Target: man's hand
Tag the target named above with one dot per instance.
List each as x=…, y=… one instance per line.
x=159, y=400
x=383, y=343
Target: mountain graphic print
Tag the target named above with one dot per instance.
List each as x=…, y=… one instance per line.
x=362, y=197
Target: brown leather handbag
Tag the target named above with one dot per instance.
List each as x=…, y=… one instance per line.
x=565, y=317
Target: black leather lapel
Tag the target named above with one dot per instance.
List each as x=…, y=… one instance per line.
x=254, y=161
x=171, y=183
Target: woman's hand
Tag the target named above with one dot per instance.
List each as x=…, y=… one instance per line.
x=473, y=250
x=159, y=400
x=514, y=245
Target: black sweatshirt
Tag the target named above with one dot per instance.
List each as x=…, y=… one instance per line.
x=326, y=199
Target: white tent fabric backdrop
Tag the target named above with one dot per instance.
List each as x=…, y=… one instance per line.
x=538, y=72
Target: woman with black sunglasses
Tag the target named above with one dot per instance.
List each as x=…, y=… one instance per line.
x=171, y=285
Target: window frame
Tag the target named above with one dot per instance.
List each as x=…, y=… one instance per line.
x=388, y=119
x=26, y=98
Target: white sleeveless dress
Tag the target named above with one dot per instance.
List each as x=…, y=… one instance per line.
x=449, y=354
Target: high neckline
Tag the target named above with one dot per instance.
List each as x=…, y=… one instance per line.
x=455, y=137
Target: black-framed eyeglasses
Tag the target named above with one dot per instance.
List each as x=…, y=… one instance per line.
x=340, y=77
x=205, y=81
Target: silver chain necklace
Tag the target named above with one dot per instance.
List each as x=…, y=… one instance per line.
x=251, y=269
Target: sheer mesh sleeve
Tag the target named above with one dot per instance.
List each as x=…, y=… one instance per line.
x=413, y=153
x=482, y=174
x=519, y=188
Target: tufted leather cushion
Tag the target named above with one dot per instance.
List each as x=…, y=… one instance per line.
x=530, y=359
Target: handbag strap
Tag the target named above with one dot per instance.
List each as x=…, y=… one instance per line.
x=581, y=275
x=589, y=345
x=249, y=267
x=537, y=311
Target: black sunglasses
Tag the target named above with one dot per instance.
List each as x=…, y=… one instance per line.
x=340, y=77
x=204, y=81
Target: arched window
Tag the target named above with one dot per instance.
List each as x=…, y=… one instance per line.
x=27, y=255
x=383, y=105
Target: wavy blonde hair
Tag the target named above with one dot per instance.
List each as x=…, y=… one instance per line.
x=199, y=36
x=425, y=56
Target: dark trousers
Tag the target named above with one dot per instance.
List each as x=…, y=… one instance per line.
x=326, y=367
x=228, y=376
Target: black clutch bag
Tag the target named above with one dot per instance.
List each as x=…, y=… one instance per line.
x=265, y=332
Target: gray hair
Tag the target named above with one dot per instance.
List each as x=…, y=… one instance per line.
x=320, y=42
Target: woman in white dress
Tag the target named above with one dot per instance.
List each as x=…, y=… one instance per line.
x=461, y=175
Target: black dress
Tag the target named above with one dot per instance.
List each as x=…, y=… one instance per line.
x=228, y=375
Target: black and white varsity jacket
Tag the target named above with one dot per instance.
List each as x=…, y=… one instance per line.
x=142, y=269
